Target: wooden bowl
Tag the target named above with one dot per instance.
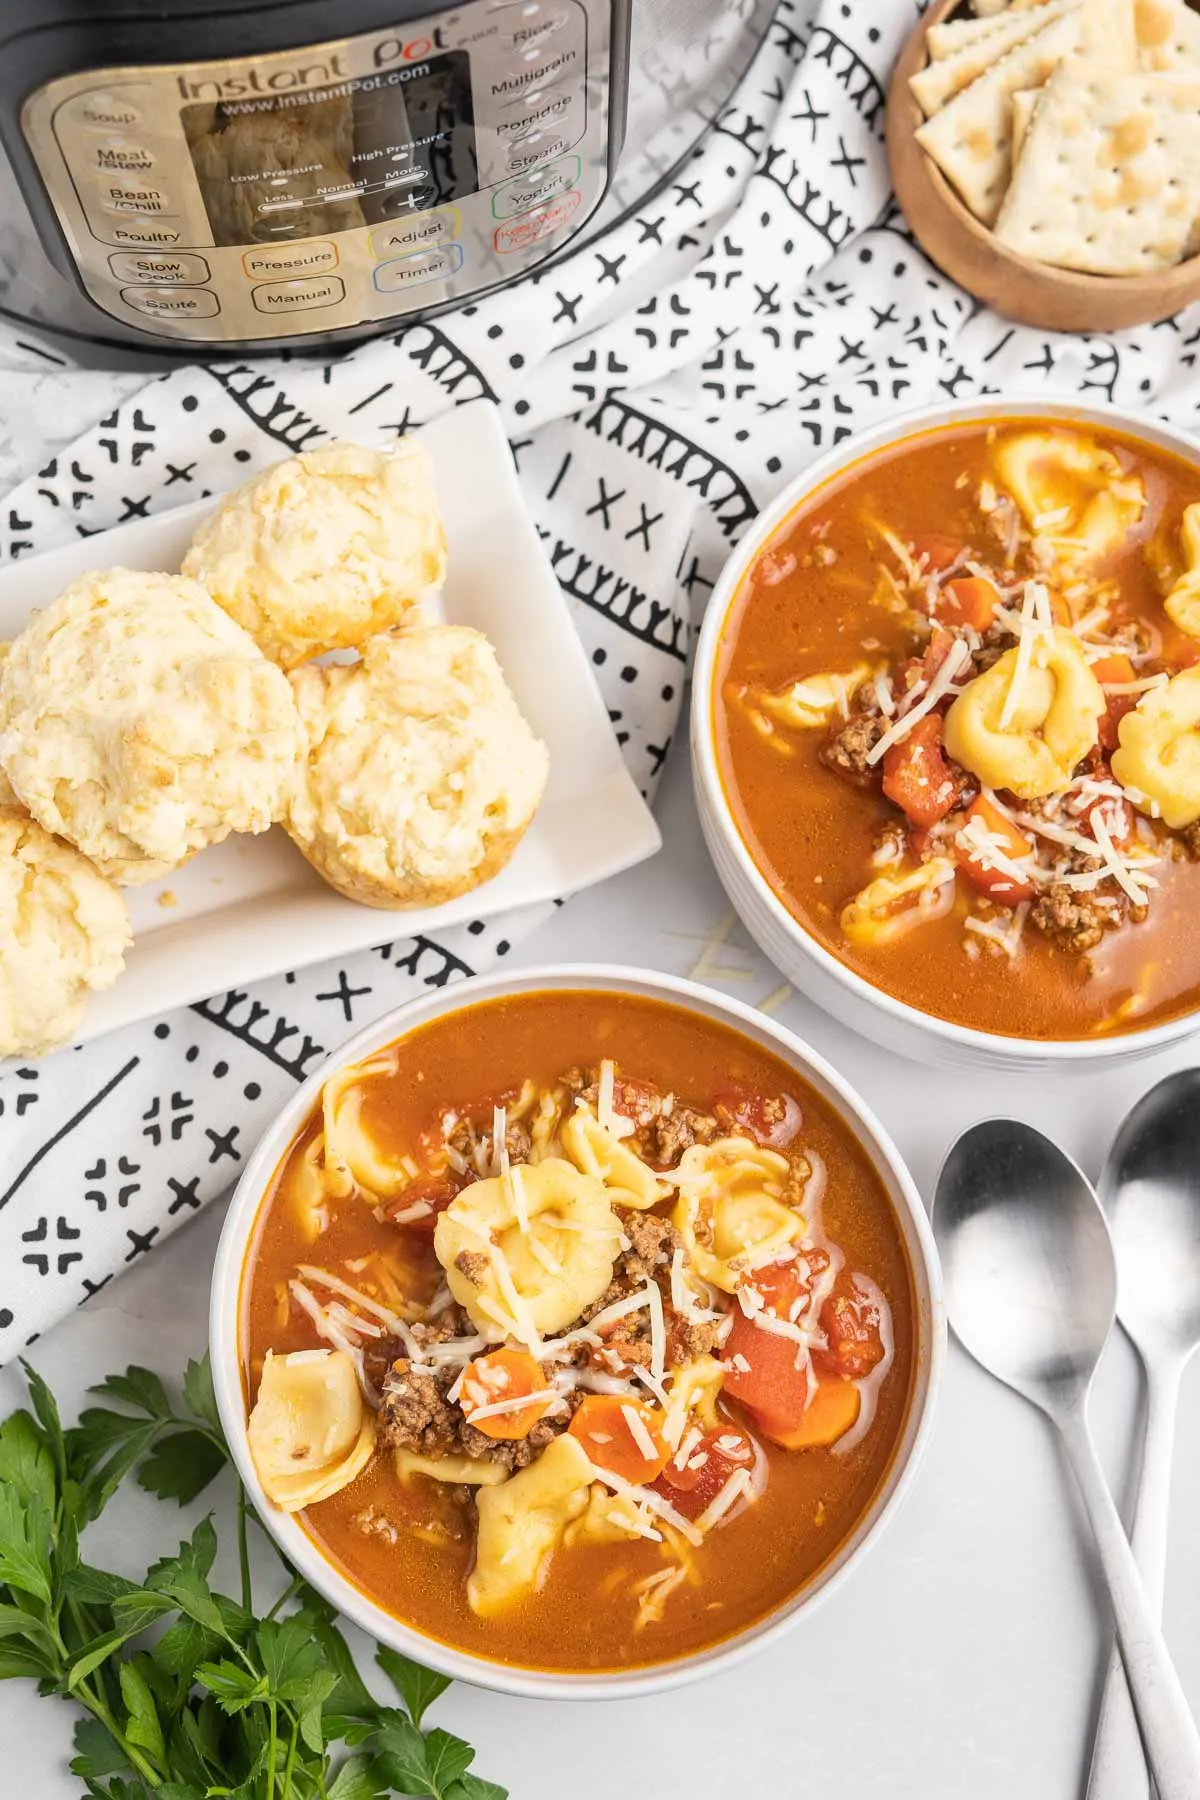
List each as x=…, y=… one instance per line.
x=1030, y=292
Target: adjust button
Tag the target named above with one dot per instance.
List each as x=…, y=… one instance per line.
x=415, y=234
x=308, y=295
x=160, y=266
x=533, y=190
x=291, y=259
x=172, y=303
x=413, y=271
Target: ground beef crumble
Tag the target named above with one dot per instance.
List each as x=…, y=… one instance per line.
x=415, y=1414
x=1074, y=921
x=848, y=749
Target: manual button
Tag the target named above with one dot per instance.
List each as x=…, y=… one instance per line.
x=183, y=270
x=172, y=303
x=299, y=296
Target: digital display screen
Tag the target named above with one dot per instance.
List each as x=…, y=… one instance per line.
x=365, y=151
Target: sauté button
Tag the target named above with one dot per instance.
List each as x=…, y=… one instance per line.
x=299, y=296
x=172, y=303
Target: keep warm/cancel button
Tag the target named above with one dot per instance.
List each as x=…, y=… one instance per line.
x=299, y=296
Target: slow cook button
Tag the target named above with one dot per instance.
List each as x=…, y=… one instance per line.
x=172, y=303
x=528, y=191
x=415, y=234
x=299, y=296
x=531, y=228
x=290, y=259
x=153, y=265
x=415, y=271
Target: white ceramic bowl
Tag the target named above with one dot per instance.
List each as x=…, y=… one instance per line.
x=225, y=1309
x=806, y=963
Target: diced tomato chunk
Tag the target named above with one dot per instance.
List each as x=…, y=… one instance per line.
x=1114, y=671
x=760, y=1364
x=968, y=600
x=418, y=1205
x=916, y=776
x=935, y=552
x=851, y=1321
x=694, y=1484
x=772, y=1119
x=940, y=644
x=998, y=884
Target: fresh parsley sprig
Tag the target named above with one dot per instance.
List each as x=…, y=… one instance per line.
x=190, y=1694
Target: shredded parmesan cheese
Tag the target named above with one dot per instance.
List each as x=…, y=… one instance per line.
x=721, y=1502
x=548, y=1396
x=639, y=1433
x=956, y=657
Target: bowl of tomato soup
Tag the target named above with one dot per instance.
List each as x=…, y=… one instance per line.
x=576, y=1332
x=946, y=733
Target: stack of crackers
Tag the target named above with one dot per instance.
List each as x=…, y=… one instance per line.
x=1072, y=128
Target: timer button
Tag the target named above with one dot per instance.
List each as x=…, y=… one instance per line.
x=172, y=303
x=413, y=271
x=166, y=270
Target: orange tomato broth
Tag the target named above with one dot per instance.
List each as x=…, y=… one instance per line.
x=583, y=1618
x=811, y=832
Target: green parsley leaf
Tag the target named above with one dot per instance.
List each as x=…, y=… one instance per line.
x=474, y=1787
x=95, y=1653
x=46, y=1408
x=23, y=1662
x=26, y=1463
x=447, y=1758
x=358, y=1779
x=183, y=1646
x=418, y=1685
x=232, y=1686
x=184, y=1578
x=137, y=1387
x=25, y=1543
x=98, y=1587
x=143, y=1727
x=401, y=1753
x=98, y=1753
x=293, y=1663
x=199, y=1395
x=181, y=1465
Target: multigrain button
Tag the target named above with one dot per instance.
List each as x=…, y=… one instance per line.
x=291, y=259
x=413, y=271
x=181, y=270
x=172, y=303
x=415, y=234
x=529, y=191
x=299, y=296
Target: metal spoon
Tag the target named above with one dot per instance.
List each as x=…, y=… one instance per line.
x=1031, y=1293
x=1150, y=1190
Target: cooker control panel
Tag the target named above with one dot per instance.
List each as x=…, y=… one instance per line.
x=346, y=183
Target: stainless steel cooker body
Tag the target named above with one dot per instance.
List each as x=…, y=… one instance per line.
x=203, y=176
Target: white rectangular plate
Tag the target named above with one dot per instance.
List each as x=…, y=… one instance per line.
x=252, y=907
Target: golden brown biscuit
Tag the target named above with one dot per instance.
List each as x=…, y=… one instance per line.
x=139, y=722
x=418, y=775
x=325, y=549
x=63, y=933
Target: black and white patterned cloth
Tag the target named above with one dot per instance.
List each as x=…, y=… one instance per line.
x=658, y=388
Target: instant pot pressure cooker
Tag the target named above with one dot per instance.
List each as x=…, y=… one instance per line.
x=212, y=175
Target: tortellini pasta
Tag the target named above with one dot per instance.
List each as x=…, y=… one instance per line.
x=808, y=704
x=522, y=1521
x=1157, y=760
x=310, y=1433
x=730, y=1212
x=595, y=1150
x=1028, y=741
x=1183, y=602
x=693, y=1394
x=891, y=905
x=353, y=1160
x=1072, y=493
x=467, y=1471
x=528, y=1249
x=606, y=1519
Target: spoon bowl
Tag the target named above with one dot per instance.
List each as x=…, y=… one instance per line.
x=1150, y=1190
x=1027, y=1260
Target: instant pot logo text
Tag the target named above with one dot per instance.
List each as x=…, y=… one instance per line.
x=263, y=81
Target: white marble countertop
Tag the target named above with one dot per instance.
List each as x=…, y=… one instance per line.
x=962, y=1660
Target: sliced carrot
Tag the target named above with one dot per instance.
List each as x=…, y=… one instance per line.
x=503, y=1375
x=1114, y=671
x=602, y=1425
x=997, y=884
x=968, y=600
x=935, y=552
x=916, y=776
x=828, y=1416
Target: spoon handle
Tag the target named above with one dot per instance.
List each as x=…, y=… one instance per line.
x=1118, y=1761
x=1169, y=1734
